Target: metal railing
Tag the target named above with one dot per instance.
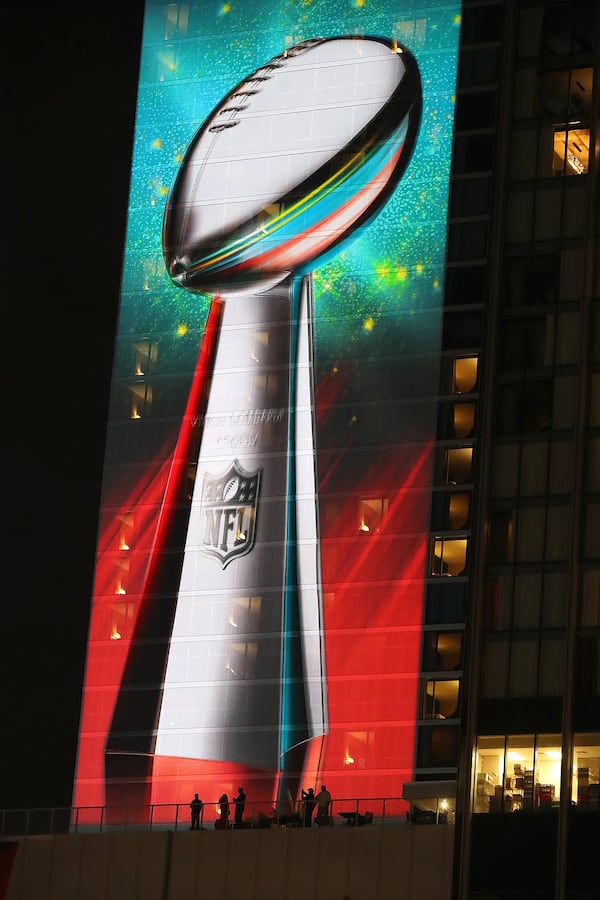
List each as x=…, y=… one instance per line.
x=176, y=817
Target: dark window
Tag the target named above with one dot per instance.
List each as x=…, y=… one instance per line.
x=437, y=746
x=568, y=28
x=473, y=153
x=500, y=538
x=465, y=285
x=587, y=666
x=475, y=111
x=566, y=94
x=470, y=198
x=481, y=24
x=478, y=66
x=531, y=280
x=446, y=602
x=527, y=343
x=524, y=407
x=467, y=240
x=461, y=329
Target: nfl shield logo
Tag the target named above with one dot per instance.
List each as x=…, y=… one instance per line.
x=228, y=510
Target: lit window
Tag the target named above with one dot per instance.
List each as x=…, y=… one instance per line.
x=370, y=514
x=521, y=772
x=586, y=771
x=140, y=399
x=449, y=556
x=571, y=151
x=463, y=415
x=145, y=356
x=465, y=374
x=439, y=699
x=442, y=650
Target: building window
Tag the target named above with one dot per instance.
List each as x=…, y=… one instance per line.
x=145, y=357
x=568, y=28
x=442, y=650
x=527, y=343
x=371, y=513
x=457, y=465
x=450, y=511
x=439, y=698
x=437, y=746
x=587, y=666
x=465, y=285
x=449, y=556
x=571, y=151
x=590, y=605
x=585, y=789
x=566, y=95
x=446, y=602
x=501, y=538
x=517, y=772
x=532, y=280
x=464, y=374
x=456, y=420
x=523, y=772
x=524, y=407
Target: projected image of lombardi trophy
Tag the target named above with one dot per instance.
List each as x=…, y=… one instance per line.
x=295, y=159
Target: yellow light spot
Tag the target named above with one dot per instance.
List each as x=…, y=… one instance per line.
x=419, y=268
x=457, y=19
x=157, y=144
x=401, y=273
x=436, y=283
x=383, y=270
x=163, y=191
x=181, y=330
x=369, y=324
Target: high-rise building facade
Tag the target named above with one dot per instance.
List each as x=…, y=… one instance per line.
x=524, y=280
x=390, y=432
x=262, y=553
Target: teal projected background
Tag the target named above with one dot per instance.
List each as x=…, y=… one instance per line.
x=377, y=307
x=397, y=266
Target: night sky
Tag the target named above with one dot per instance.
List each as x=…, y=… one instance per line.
x=69, y=93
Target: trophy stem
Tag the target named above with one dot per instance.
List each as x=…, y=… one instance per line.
x=232, y=641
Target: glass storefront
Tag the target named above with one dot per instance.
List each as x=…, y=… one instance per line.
x=523, y=772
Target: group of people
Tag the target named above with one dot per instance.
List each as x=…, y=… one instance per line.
x=310, y=801
x=224, y=811
x=322, y=802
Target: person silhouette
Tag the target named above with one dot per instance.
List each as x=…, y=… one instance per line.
x=196, y=808
x=323, y=800
x=222, y=821
x=240, y=805
x=310, y=801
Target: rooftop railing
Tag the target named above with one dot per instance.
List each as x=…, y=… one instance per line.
x=354, y=812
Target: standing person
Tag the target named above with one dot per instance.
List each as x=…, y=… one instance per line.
x=196, y=808
x=323, y=800
x=224, y=812
x=240, y=806
x=309, y=802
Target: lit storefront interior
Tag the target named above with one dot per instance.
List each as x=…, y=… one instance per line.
x=523, y=773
